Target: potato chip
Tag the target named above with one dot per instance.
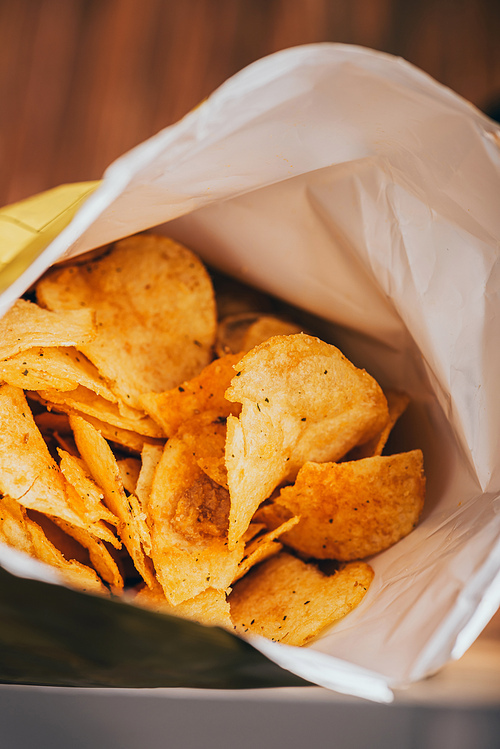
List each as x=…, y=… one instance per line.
x=155, y=312
x=58, y=368
x=18, y=530
x=27, y=325
x=188, y=517
x=209, y=607
x=206, y=392
x=397, y=404
x=129, y=472
x=240, y=333
x=263, y=546
x=101, y=559
x=290, y=601
x=352, y=510
x=205, y=435
x=301, y=400
x=90, y=498
x=150, y=457
x=86, y=402
x=28, y=472
x=102, y=465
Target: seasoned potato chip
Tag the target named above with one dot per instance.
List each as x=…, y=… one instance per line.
x=397, y=404
x=88, y=498
x=301, y=400
x=351, y=510
x=58, y=368
x=150, y=457
x=28, y=472
x=289, y=601
x=27, y=325
x=103, y=468
x=129, y=472
x=104, y=563
x=206, y=438
x=86, y=402
x=210, y=607
x=206, y=392
x=240, y=333
x=263, y=546
x=188, y=517
x=18, y=530
x=155, y=312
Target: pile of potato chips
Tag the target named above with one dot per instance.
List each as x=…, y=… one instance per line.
x=200, y=455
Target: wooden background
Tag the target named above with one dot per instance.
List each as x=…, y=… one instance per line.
x=82, y=81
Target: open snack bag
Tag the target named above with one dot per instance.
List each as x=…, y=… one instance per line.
x=354, y=188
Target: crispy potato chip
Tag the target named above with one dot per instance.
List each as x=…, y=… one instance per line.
x=301, y=400
x=205, y=435
x=61, y=534
x=155, y=312
x=240, y=333
x=188, y=517
x=89, y=503
x=287, y=600
x=210, y=607
x=27, y=325
x=53, y=368
x=28, y=472
x=352, y=510
x=86, y=402
x=18, y=530
x=150, y=457
x=129, y=472
x=397, y=404
x=206, y=392
x=263, y=547
x=103, y=468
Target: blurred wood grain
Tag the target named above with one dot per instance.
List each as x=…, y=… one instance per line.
x=82, y=81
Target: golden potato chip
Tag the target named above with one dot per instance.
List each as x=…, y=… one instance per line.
x=301, y=400
x=84, y=401
x=352, y=510
x=397, y=404
x=27, y=325
x=88, y=503
x=103, y=468
x=28, y=472
x=53, y=368
x=205, y=435
x=101, y=559
x=18, y=530
x=240, y=333
x=263, y=546
x=188, y=517
x=129, y=472
x=210, y=607
x=287, y=600
x=206, y=392
x=150, y=457
x=155, y=312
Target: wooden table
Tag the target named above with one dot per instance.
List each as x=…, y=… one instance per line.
x=82, y=81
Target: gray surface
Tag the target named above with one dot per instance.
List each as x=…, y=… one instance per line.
x=43, y=718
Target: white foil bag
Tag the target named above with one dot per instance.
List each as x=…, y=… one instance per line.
x=352, y=185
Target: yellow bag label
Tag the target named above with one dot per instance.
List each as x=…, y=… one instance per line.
x=29, y=226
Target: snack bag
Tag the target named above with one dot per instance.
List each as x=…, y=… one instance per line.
x=351, y=185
